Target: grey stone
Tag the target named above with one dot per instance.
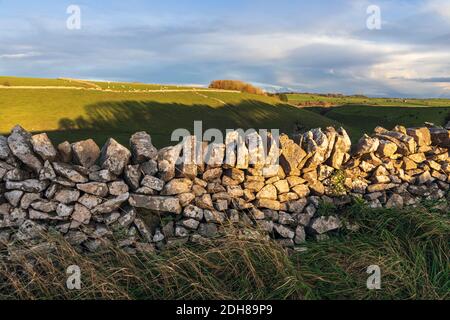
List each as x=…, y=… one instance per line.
x=14, y=197
x=104, y=176
x=300, y=235
x=47, y=172
x=90, y=201
x=143, y=230
x=81, y=214
x=85, y=153
x=153, y=183
x=19, y=143
x=283, y=231
x=111, y=205
x=65, y=152
x=117, y=188
x=67, y=171
x=5, y=152
x=213, y=216
x=31, y=185
x=43, y=147
x=190, y=224
x=127, y=218
x=157, y=204
x=64, y=211
x=99, y=189
x=29, y=230
x=181, y=232
x=44, y=206
x=323, y=225
x=142, y=148
x=133, y=176
x=67, y=196
x=193, y=212
x=158, y=237
x=149, y=168
x=114, y=157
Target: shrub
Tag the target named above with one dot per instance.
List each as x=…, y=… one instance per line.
x=6, y=84
x=236, y=85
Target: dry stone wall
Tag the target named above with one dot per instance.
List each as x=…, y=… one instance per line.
x=141, y=199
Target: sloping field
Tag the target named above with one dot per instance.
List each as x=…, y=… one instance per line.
x=78, y=114
x=362, y=118
x=319, y=100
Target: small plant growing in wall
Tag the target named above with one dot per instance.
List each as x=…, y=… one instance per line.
x=337, y=183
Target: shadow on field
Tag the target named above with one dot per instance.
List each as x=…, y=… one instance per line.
x=121, y=119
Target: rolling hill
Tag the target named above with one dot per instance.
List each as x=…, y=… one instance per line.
x=73, y=114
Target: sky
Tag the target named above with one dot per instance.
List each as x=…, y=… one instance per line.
x=309, y=46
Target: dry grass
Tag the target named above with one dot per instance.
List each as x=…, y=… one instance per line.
x=411, y=247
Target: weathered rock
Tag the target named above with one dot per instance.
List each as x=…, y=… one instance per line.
x=44, y=206
x=67, y=171
x=142, y=148
x=213, y=216
x=300, y=235
x=302, y=190
x=65, y=152
x=422, y=136
x=85, y=153
x=90, y=201
x=118, y=188
x=284, y=231
x=64, y=211
x=367, y=145
x=14, y=197
x=5, y=152
x=111, y=205
x=193, y=212
x=316, y=144
x=291, y=157
x=177, y=186
x=114, y=157
x=323, y=225
x=268, y=192
x=157, y=204
x=31, y=185
x=104, y=176
x=19, y=143
x=95, y=188
x=67, y=196
x=153, y=183
x=395, y=201
x=167, y=159
x=340, y=152
x=43, y=147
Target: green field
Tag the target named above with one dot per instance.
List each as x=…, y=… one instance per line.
x=70, y=114
x=361, y=115
x=118, y=110
x=30, y=82
x=314, y=99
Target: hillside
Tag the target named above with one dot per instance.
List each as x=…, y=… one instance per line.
x=75, y=114
x=360, y=114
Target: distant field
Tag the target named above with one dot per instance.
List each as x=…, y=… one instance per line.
x=311, y=99
x=30, y=82
x=361, y=115
x=120, y=86
x=79, y=114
